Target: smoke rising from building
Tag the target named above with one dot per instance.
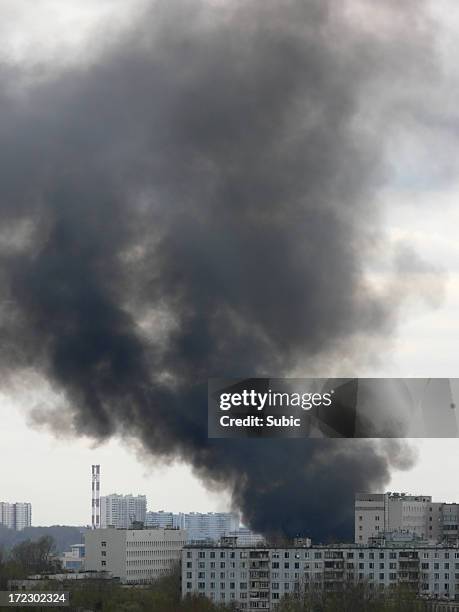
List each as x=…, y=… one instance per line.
x=197, y=201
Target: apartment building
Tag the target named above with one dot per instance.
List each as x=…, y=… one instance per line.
x=199, y=525
x=258, y=578
x=121, y=511
x=135, y=556
x=16, y=516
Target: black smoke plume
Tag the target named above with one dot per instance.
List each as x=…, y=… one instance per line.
x=195, y=201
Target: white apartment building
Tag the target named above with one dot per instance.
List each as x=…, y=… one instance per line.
x=258, y=578
x=16, y=516
x=199, y=525
x=379, y=513
x=246, y=537
x=135, y=556
x=210, y=525
x=162, y=519
x=121, y=511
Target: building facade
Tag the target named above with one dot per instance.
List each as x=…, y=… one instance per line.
x=16, y=516
x=258, y=578
x=200, y=526
x=135, y=556
x=121, y=511
x=73, y=559
x=380, y=513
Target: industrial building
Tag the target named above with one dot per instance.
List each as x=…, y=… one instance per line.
x=16, y=515
x=259, y=577
x=134, y=556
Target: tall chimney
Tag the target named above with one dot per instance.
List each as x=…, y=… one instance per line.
x=95, y=496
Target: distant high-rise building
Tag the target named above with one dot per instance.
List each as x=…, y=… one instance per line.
x=163, y=520
x=95, y=496
x=199, y=525
x=122, y=511
x=16, y=516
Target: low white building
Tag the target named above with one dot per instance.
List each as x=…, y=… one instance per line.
x=258, y=578
x=136, y=556
x=73, y=559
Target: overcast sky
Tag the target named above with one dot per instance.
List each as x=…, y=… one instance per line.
x=420, y=209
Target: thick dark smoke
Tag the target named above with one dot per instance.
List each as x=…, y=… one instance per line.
x=197, y=201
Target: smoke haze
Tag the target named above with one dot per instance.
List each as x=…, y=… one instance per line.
x=197, y=200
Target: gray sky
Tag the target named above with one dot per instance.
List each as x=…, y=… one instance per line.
x=420, y=210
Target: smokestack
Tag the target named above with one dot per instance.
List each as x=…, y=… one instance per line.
x=95, y=490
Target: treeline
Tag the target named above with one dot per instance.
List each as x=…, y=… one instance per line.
x=63, y=536
x=164, y=596
x=352, y=597
x=27, y=558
